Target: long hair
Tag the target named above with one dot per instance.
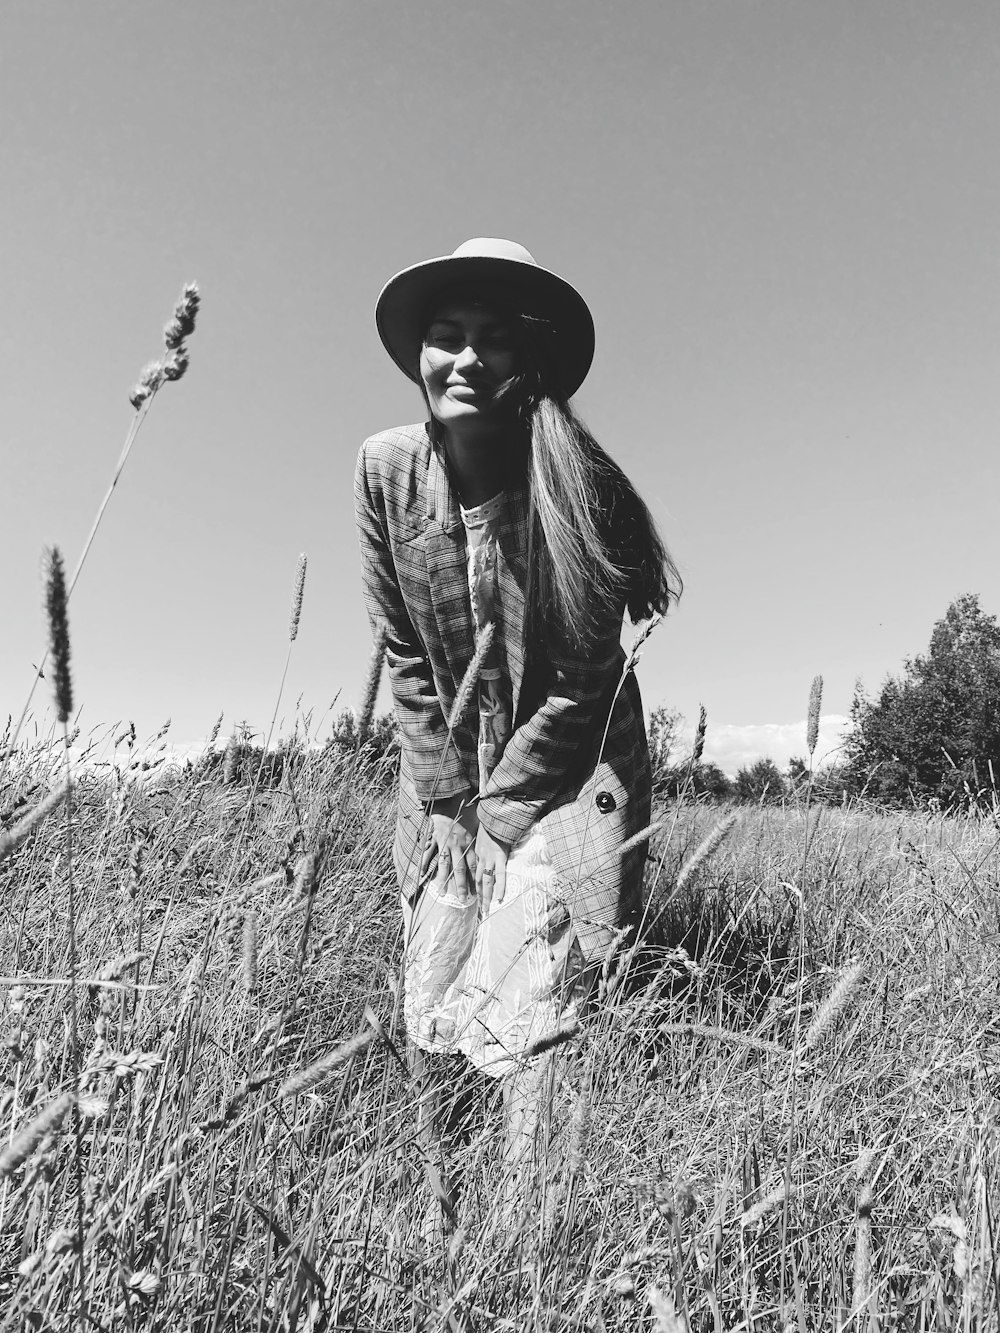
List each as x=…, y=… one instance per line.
x=593, y=547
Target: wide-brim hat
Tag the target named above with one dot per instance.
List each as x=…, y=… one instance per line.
x=404, y=303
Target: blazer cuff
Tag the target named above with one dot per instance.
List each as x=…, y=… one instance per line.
x=509, y=821
x=435, y=780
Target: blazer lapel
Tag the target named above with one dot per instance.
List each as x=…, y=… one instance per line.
x=447, y=568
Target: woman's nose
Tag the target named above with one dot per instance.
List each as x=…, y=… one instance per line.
x=468, y=356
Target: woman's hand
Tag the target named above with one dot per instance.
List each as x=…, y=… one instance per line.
x=491, y=869
x=450, y=852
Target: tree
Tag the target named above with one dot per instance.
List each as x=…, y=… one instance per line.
x=934, y=732
x=762, y=781
x=662, y=736
x=674, y=774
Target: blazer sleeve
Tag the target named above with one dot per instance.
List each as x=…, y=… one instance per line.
x=555, y=742
x=436, y=765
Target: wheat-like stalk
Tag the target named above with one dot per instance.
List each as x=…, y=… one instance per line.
x=579, y=1134
x=812, y=716
x=706, y=849
x=249, y=969
x=13, y=837
x=642, y=836
x=699, y=737
x=553, y=1039
x=471, y=676
x=843, y=989
x=765, y=1205
x=56, y=605
x=862, y=1283
x=305, y=875
x=300, y=585
x=24, y=1143
x=321, y=1069
x=366, y=711
x=638, y=639
x=721, y=1034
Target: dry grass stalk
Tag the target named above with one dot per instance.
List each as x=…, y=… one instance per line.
x=483, y=643
x=229, y=760
x=579, y=1134
x=176, y=331
x=765, y=1205
x=16, y=835
x=699, y=737
x=826, y=1014
x=249, y=968
x=321, y=1069
x=115, y=969
x=812, y=716
x=548, y=1043
x=638, y=639
x=300, y=585
x=706, y=850
x=235, y=1103
x=722, y=1034
x=367, y=709
x=306, y=871
x=24, y=1143
x=862, y=1283
x=56, y=606
x=642, y=836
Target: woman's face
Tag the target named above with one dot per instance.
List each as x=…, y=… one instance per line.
x=468, y=353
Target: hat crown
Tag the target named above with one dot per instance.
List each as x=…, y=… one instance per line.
x=493, y=247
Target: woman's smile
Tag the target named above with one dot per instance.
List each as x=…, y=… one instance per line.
x=468, y=354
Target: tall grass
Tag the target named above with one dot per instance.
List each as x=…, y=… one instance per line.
x=781, y=1114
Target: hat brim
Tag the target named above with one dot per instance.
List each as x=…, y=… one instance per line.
x=403, y=303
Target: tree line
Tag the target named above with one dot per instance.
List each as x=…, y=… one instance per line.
x=929, y=736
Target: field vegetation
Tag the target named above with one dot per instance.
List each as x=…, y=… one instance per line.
x=781, y=1115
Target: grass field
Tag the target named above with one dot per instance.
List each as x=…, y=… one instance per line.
x=782, y=1116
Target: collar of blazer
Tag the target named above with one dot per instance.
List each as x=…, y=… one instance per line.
x=443, y=509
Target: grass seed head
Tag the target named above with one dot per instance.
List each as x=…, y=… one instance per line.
x=56, y=604
x=706, y=849
x=367, y=708
x=699, y=736
x=472, y=673
x=579, y=1133
x=300, y=584
x=249, y=968
x=844, y=987
x=176, y=364
x=24, y=1143
x=16, y=835
x=812, y=717
x=321, y=1069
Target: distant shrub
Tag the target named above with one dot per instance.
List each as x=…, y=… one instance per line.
x=760, y=783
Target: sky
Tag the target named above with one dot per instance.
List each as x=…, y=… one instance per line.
x=782, y=214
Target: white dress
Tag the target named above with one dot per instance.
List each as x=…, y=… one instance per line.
x=488, y=988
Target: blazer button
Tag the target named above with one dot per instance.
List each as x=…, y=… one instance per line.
x=605, y=802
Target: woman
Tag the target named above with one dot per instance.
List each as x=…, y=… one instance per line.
x=499, y=534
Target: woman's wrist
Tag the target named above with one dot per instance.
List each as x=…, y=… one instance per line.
x=450, y=806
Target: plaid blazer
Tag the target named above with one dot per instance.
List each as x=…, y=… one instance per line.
x=577, y=762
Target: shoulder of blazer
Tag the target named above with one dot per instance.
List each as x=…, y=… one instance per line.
x=395, y=464
x=399, y=449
